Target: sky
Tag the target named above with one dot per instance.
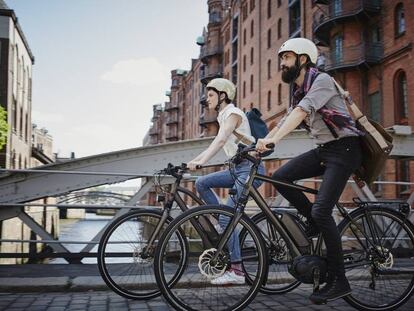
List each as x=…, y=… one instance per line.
x=100, y=65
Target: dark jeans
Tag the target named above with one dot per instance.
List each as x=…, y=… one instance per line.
x=335, y=162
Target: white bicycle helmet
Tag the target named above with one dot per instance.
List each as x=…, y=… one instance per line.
x=300, y=46
x=223, y=86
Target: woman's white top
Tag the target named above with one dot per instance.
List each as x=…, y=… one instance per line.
x=230, y=148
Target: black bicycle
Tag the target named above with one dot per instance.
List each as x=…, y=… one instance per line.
x=277, y=255
x=126, y=249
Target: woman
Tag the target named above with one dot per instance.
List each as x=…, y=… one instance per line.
x=233, y=128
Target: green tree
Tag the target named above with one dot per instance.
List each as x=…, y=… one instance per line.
x=4, y=127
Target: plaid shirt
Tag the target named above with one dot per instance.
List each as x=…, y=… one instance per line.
x=333, y=119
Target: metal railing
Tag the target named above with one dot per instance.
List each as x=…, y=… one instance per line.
x=344, y=9
x=17, y=187
x=354, y=56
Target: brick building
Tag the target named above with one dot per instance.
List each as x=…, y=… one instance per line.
x=365, y=44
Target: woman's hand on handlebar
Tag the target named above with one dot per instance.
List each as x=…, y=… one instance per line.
x=264, y=144
x=195, y=165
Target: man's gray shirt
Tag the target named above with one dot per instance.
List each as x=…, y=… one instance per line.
x=322, y=93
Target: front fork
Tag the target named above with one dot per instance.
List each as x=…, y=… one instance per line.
x=148, y=250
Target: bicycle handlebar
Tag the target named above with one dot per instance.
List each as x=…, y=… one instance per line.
x=243, y=151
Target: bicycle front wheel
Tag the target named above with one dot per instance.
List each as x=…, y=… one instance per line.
x=125, y=258
x=378, y=252
x=196, y=288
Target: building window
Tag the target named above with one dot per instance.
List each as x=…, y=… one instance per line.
x=244, y=63
x=13, y=159
x=279, y=28
x=401, y=98
x=26, y=136
x=21, y=122
x=245, y=11
x=252, y=29
x=14, y=114
x=251, y=56
x=399, y=20
x=269, y=8
x=337, y=49
x=374, y=102
x=279, y=94
x=269, y=69
x=244, y=89
x=235, y=27
x=244, y=36
x=234, y=51
x=279, y=3
x=269, y=100
x=269, y=38
x=403, y=172
x=252, y=5
x=294, y=19
x=337, y=7
x=227, y=35
x=234, y=74
x=251, y=83
x=215, y=17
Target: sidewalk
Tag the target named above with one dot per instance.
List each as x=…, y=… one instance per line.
x=108, y=301
x=45, y=277
x=64, y=287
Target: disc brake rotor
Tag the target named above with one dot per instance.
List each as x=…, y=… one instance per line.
x=209, y=267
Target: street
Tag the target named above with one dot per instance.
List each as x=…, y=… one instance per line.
x=107, y=300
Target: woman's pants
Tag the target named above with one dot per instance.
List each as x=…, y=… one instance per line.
x=224, y=179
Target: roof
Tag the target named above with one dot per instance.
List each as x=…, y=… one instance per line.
x=6, y=11
x=3, y=5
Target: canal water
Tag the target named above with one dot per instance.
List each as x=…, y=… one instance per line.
x=80, y=230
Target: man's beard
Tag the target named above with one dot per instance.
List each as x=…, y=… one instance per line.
x=290, y=75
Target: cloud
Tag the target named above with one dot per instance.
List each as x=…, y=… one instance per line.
x=138, y=72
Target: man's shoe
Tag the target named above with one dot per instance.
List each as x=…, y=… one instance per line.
x=335, y=289
x=229, y=278
x=311, y=229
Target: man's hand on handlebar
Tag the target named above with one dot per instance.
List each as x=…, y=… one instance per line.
x=264, y=144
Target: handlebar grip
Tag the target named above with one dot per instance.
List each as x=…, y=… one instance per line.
x=199, y=167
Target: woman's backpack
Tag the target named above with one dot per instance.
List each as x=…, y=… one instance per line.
x=258, y=127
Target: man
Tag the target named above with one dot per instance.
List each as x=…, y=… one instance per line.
x=317, y=106
x=233, y=128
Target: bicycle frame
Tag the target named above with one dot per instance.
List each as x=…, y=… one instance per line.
x=297, y=244
x=174, y=196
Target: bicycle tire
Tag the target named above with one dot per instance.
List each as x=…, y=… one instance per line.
x=202, y=297
x=130, y=284
x=365, y=295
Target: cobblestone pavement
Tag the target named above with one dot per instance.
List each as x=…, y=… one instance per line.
x=107, y=300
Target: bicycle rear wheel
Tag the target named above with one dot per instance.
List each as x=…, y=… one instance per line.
x=125, y=259
x=279, y=257
x=378, y=255
x=194, y=290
